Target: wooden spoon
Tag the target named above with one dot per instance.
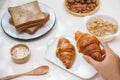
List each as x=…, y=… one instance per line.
x=37, y=71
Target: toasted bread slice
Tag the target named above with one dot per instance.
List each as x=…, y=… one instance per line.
x=22, y=28
x=33, y=28
x=26, y=14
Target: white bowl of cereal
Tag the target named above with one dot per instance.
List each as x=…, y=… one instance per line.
x=104, y=27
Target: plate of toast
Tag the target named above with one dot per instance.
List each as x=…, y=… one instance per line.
x=62, y=51
x=28, y=21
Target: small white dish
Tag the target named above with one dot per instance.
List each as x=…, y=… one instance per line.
x=106, y=38
x=80, y=67
x=11, y=31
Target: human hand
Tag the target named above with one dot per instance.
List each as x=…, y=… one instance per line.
x=109, y=68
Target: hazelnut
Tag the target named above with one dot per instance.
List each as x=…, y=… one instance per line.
x=88, y=1
x=78, y=0
x=93, y=1
x=71, y=1
x=83, y=1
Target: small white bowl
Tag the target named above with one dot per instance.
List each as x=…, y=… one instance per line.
x=110, y=19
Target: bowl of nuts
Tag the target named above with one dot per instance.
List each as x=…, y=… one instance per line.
x=82, y=7
x=104, y=27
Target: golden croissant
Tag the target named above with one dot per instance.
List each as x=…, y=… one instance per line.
x=88, y=45
x=65, y=52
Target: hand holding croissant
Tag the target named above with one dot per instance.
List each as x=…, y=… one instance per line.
x=88, y=45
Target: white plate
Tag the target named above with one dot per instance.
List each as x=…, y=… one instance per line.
x=11, y=31
x=80, y=67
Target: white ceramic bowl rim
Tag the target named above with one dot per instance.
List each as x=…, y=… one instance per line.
x=109, y=18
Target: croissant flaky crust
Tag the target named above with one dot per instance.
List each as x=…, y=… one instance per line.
x=65, y=52
x=88, y=45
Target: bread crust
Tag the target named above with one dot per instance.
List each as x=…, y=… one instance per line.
x=36, y=27
x=32, y=28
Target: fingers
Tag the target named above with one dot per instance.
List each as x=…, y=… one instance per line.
x=90, y=60
x=106, y=50
x=104, y=45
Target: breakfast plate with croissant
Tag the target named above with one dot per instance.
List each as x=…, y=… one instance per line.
x=66, y=52
x=28, y=20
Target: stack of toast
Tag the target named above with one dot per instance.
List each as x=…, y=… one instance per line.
x=28, y=17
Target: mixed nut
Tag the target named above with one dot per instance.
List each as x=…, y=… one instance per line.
x=82, y=6
x=82, y=1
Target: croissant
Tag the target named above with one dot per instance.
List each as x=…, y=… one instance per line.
x=88, y=45
x=65, y=52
